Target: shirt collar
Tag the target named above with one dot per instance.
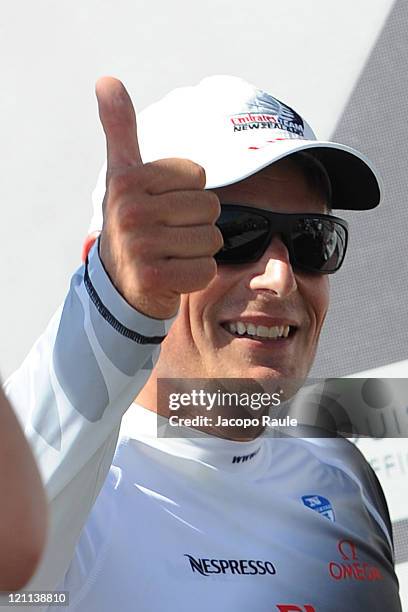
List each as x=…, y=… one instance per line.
x=217, y=453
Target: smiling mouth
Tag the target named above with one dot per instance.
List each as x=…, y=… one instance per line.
x=240, y=329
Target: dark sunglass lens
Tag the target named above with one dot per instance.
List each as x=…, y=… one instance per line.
x=319, y=244
x=245, y=236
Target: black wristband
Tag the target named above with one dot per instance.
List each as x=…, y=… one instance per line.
x=108, y=316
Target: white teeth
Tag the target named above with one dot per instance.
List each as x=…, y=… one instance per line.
x=251, y=329
x=241, y=328
x=261, y=331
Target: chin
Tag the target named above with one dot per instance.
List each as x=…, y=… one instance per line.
x=261, y=372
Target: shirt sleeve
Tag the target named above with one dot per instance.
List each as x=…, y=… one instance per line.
x=70, y=395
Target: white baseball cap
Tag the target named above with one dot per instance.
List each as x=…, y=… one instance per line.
x=233, y=130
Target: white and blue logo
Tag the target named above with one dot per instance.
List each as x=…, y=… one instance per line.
x=319, y=504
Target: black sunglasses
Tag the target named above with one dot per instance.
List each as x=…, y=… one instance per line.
x=315, y=242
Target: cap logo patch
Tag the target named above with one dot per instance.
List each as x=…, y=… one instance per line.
x=265, y=112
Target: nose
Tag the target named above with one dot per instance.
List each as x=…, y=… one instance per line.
x=273, y=272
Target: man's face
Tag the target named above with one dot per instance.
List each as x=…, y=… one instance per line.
x=269, y=292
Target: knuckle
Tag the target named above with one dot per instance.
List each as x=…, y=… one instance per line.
x=199, y=175
x=149, y=276
x=140, y=212
x=213, y=205
x=137, y=249
x=129, y=181
x=218, y=239
x=212, y=239
x=126, y=218
x=143, y=246
x=132, y=215
x=118, y=184
x=202, y=177
x=209, y=269
x=204, y=270
x=148, y=169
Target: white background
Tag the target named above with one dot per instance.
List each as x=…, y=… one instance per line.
x=309, y=54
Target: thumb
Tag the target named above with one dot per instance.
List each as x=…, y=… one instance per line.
x=118, y=120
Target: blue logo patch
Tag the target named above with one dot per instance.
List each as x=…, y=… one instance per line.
x=319, y=504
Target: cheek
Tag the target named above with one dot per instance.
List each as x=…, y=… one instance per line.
x=320, y=297
x=315, y=292
x=205, y=304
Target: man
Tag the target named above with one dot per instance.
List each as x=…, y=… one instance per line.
x=224, y=518
x=23, y=507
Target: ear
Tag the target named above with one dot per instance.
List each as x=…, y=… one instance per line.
x=88, y=244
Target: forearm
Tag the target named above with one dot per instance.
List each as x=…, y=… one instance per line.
x=71, y=393
x=23, y=509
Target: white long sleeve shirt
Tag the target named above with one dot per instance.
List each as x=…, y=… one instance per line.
x=171, y=525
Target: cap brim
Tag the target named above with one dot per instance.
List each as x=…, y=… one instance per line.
x=355, y=183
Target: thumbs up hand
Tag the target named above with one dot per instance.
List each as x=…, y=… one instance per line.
x=159, y=235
